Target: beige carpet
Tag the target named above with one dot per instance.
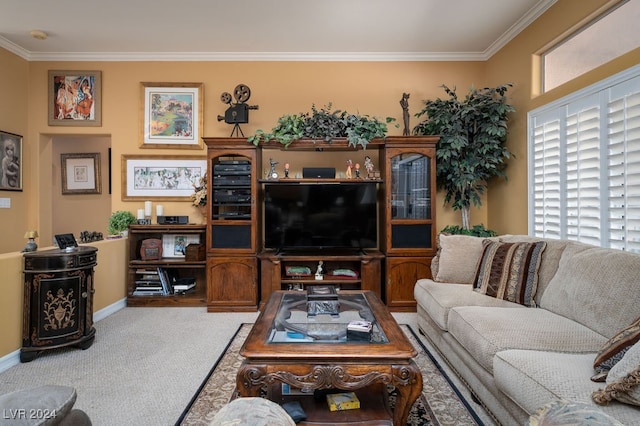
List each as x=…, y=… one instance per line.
x=146, y=364
x=440, y=403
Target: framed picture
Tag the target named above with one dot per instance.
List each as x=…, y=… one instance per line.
x=81, y=173
x=172, y=115
x=168, y=178
x=75, y=98
x=11, y=162
x=175, y=245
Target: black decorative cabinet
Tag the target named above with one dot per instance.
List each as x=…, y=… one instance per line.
x=58, y=300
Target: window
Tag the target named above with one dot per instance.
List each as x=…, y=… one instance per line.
x=584, y=165
x=603, y=39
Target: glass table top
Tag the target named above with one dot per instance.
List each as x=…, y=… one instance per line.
x=318, y=318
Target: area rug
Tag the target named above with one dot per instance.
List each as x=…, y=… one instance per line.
x=440, y=403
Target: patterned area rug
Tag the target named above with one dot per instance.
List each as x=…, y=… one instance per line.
x=440, y=403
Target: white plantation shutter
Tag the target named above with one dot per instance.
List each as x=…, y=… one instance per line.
x=584, y=165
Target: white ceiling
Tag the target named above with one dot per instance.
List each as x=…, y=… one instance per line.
x=263, y=29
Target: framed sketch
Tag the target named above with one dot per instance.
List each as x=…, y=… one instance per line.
x=11, y=162
x=75, y=98
x=172, y=115
x=168, y=178
x=175, y=245
x=81, y=173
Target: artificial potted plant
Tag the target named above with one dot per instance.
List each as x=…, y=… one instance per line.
x=325, y=124
x=119, y=222
x=471, y=148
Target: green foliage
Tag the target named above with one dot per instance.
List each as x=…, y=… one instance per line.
x=120, y=221
x=475, y=231
x=471, y=148
x=325, y=124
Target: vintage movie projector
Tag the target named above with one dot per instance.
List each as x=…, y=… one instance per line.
x=238, y=112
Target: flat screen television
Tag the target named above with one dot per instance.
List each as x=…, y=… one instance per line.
x=312, y=216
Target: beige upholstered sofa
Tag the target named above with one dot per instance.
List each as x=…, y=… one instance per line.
x=517, y=358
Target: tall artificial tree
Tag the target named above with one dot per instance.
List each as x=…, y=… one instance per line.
x=471, y=148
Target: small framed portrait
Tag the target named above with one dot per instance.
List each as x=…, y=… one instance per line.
x=10, y=162
x=75, y=98
x=81, y=173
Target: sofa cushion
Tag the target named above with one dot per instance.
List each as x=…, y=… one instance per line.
x=458, y=256
x=52, y=401
x=617, y=346
x=483, y=331
x=596, y=287
x=550, y=257
x=534, y=378
x=509, y=271
x=438, y=298
x=623, y=381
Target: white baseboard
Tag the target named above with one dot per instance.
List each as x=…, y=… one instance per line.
x=13, y=358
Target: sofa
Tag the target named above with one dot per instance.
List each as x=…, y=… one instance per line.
x=48, y=405
x=526, y=322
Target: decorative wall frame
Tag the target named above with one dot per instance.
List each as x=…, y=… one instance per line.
x=75, y=98
x=172, y=115
x=10, y=162
x=161, y=177
x=81, y=173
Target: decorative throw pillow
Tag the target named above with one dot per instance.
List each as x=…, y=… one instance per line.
x=616, y=347
x=509, y=271
x=458, y=258
x=623, y=381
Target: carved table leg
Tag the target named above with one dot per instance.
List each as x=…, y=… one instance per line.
x=408, y=382
x=250, y=379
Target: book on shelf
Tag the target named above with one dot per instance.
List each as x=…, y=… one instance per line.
x=181, y=285
x=343, y=401
x=148, y=291
x=165, y=280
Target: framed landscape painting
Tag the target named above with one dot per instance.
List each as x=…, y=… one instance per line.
x=75, y=98
x=171, y=115
x=169, y=178
x=10, y=162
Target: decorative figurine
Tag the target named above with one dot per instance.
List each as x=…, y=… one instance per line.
x=357, y=170
x=368, y=165
x=404, y=103
x=272, y=172
x=238, y=112
x=347, y=174
x=320, y=270
x=286, y=170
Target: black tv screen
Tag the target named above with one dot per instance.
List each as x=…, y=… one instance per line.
x=318, y=216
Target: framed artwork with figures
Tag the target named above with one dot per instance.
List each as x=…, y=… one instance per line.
x=10, y=162
x=75, y=98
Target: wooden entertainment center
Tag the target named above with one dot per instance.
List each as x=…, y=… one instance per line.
x=242, y=274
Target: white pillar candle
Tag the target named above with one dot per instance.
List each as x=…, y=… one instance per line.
x=140, y=213
x=147, y=208
x=159, y=210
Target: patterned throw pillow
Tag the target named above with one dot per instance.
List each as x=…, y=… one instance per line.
x=616, y=347
x=623, y=381
x=509, y=271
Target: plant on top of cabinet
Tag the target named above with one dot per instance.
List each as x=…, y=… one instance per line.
x=326, y=125
x=471, y=148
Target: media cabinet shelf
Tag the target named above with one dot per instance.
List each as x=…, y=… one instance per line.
x=320, y=180
x=273, y=265
x=178, y=265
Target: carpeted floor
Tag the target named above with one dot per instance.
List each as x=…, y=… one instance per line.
x=440, y=403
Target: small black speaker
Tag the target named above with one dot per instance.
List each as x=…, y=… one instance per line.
x=173, y=220
x=319, y=172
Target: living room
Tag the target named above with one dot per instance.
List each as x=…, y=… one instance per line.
x=278, y=87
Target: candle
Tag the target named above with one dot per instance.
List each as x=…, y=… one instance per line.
x=140, y=214
x=159, y=210
x=147, y=208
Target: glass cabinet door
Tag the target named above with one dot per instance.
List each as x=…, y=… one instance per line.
x=410, y=186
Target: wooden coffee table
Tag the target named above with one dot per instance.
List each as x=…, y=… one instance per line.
x=278, y=351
